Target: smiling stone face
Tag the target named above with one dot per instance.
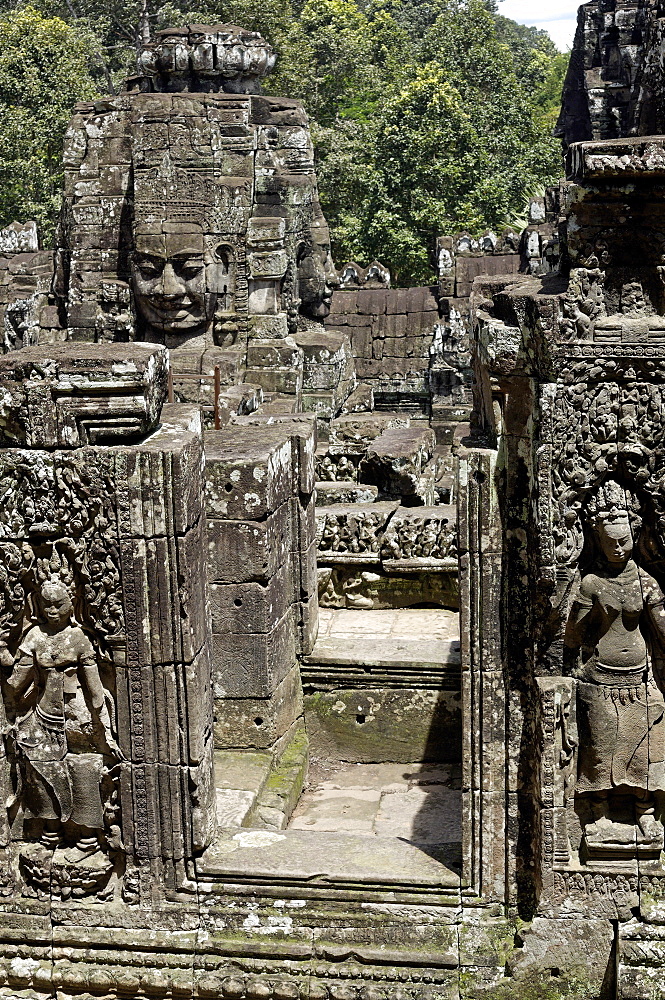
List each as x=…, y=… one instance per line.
x=317, y=277
x=56, y=605
x=169, y=278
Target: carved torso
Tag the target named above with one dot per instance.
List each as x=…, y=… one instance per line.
x=55, y=659
x=611, y=607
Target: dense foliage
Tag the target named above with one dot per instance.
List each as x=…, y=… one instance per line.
x=429, y=116
x=44, y=69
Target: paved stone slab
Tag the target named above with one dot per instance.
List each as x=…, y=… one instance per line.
x=386, y=777
x=346, y=810
x=233, y=806
x=422, y=815
x=374, y=651
x=434, y=774
x=324, y=857
x=412, y=623
x=419, y=803
x=378, y=776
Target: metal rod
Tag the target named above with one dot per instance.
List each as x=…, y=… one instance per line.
x=218, y=385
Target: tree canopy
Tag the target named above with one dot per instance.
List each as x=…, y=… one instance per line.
x=428, y=116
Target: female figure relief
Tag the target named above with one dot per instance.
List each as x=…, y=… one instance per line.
x=61, y=732
x=620, y=708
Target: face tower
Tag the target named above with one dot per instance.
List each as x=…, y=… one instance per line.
x=191, y=213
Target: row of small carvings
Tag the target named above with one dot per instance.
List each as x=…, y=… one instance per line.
x=375, y=532
x=208, y=50
x=181, y=983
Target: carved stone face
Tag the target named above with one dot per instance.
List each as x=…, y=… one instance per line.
x=317, y=279
x=56, y=605
x=169, y=279
x=615, y=539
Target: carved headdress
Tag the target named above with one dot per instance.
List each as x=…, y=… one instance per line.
x=612, y=502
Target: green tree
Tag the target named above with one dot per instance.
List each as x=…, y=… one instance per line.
x=44, y=70
x=526, y=45
x=460, y=144
x=434, y=163
x=428, y=116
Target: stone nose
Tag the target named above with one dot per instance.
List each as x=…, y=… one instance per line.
x=171, y=284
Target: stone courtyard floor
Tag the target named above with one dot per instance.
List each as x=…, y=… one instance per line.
x=419, y=803
x=389, y=626
x=415, y=803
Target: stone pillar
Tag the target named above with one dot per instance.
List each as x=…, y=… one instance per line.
x=103, y=632
x=484, y=754
x=262, y=571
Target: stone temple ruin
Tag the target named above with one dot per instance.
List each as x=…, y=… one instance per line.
x=332, y=615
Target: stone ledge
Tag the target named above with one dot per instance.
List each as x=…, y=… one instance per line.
x=327, y=858
x=372, y=651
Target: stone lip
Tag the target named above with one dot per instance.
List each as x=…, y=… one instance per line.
x=69, y=395
x=326, y=858
x=616, y=158
x=402, y=653
x=206, y=57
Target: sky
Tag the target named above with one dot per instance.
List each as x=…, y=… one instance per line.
x=557, y=17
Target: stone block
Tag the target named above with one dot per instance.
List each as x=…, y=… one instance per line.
x=252, y=665
x=268, y=327
x=395, y=460
x=66, y=395
x=249, y=470
x=373, y=301
x=257, y=723
x=241, y=770
x=352, y=533
x=242, y=551
x=396, y=300
x=378, y=724
x=576, y=952
x=302, y=430
x=359, y=587
x=192, y=570
x=361, y=400
x=273, y=354
x=17, y=238
x=354, y=322
x=180, y=432
x=344, y=493
x=361, y=340
x=303, y=521
x=420, y=538
x=199, y=694
x=344, y=300
x=353, y=433
x=325, y=347
x=287, y=380
x=421, y=300
x=321, y=402
x=247, y=608
x=320, y=377
x=393, y=347
x=308, y=572
x=308, y=623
